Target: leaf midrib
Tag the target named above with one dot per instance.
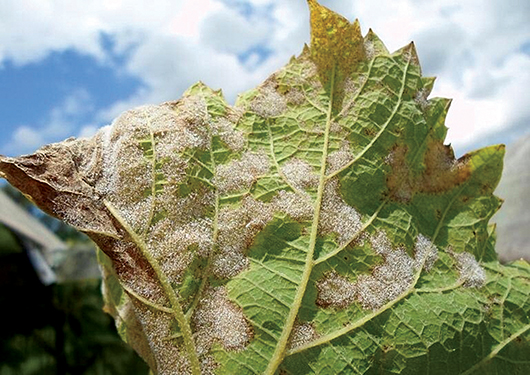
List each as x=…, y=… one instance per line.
x=176, y=309
x=281, y=346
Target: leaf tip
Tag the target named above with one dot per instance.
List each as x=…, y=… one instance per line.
x=335, y=42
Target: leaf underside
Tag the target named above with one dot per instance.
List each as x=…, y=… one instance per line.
x=319, y=226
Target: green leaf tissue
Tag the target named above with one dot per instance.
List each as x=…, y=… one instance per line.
x=318, y=226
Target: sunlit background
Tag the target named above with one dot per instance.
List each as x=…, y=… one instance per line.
x=69, y=67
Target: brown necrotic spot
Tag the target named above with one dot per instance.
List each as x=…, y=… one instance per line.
x=219, y=320
x=399, y=181
x=441, y=173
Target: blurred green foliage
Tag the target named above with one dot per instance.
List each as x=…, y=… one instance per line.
x=56, y=329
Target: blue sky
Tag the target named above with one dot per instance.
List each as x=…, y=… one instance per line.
x=70, y=67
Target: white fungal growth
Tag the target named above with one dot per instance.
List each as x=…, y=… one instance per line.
x=182, y=210
x=192, y=122
x=295, y=96
x=240, y=174
x=268, y=102
x=299, y=174
x=335, y=291
x=170, y=243
x=369, y=50
x=380, y=243
x=217, y=319
x=421, y=98
x=158, y=328
x=471, y=273
x=302, y=334
x=136, y=214
x=340, y=158
x=336, y=216
x=388, y=280
x=237, y=229
x=425, y=253
x=174, y=169
x=125, y=171
x=335, y=127
x=82, y=213
x=233, y=138
x=295, y=205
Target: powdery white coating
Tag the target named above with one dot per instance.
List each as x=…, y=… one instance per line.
x=173, y=168
x=309, y=69
x=421, y=98
x=336, y=291
x=158, y=329
x=76, y=211
x=295, y=96
x=182, y=124
x=295, y=205
x=240, y=174
x=387, y=281
x=410, y=54
x=380, y=243
x=336, y=216
x=301, y=334
x=350, y=86
x=299, y=174
x=237, y=229
x=233, y=138
x=268, y=102
x=136, y=214
x=181, y=210
x=217, y=319
x=338, y=159
x=134, y=272
x=369, y=49
x=425, y=253
x=171, y=244
x=471, y=273
x=208, y=365
x=126, y=174
x=335, y=127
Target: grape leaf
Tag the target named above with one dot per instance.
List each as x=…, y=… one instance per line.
x=319, y=226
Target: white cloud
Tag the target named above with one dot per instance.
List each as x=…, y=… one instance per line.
x=87, y=131
x=472, y=46
x=26, y=139
x=61, y=122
